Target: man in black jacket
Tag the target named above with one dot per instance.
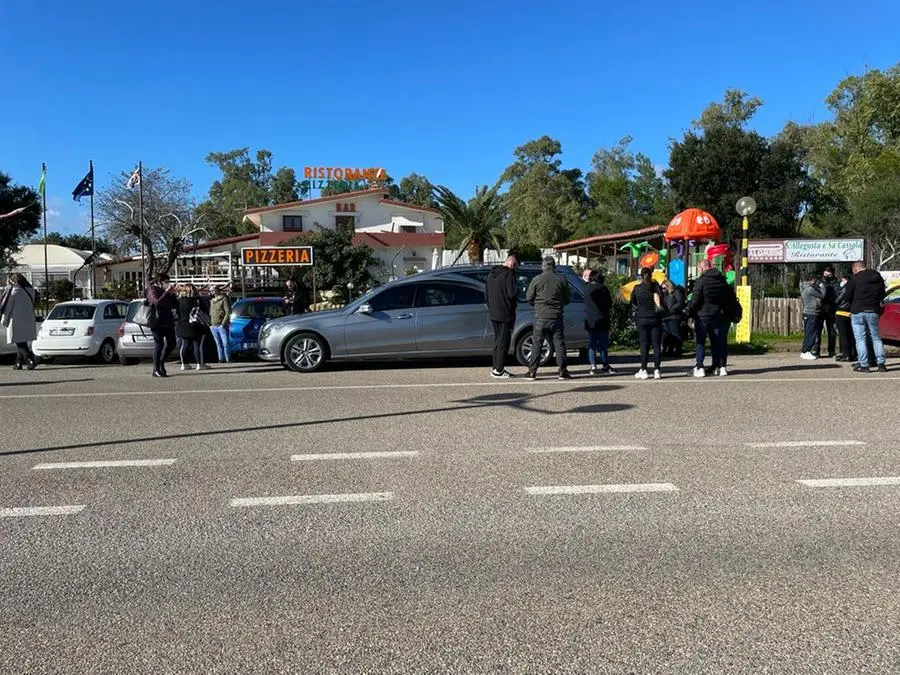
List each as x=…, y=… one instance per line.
x=865, y=293
x=501, y=290
x=830, y=290
x=295, y=298
x=712, y=306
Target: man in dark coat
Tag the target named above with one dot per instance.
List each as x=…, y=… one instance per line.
x=501, y=291
x=548, y=293
x=295, y=298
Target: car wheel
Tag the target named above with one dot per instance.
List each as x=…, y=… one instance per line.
x=107, y=352
x=305, y=353
x=523, y=350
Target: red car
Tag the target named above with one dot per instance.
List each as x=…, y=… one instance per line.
x=889, y=324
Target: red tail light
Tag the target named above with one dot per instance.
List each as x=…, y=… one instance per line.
x=90, y=330
x=122, y=329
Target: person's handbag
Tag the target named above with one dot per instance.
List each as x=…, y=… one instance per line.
x=199, y=317
x=146, y=315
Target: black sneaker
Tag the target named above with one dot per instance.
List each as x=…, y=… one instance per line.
x=531, y=375
x=564, y=375
x=882, y=368
x=859, y=369
x=501, y=374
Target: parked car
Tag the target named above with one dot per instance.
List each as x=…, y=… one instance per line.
x=247, y=317
x=135, y=343
x=81, y=328
x=441, y=313
x=889, y=323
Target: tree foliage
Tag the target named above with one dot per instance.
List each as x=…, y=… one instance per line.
x=471, y=226
x=169, y=216
x=80, y=242
x=545, y=202
x=338, y=262
x=15, y=229
x=734, y=112
x=415, y=189
x=626, y=192
x=245, y=184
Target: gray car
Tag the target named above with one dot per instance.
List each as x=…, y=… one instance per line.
x=441, y=313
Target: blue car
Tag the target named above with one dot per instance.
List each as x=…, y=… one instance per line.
x=247, y=317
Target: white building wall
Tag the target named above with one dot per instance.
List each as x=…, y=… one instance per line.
x=371, y=216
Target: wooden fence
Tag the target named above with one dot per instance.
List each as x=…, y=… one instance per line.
x=781, y=316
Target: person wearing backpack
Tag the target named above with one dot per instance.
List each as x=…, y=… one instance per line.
x=161, y=296
x=191, y=327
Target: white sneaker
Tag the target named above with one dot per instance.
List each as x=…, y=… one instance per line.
x=184, y=366
x=642, y=375
x=808, y=356
x=723, y=372
x=657, y=375
x=699, y=372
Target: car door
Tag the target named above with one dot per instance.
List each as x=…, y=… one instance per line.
x=108, y=324
x=889, y=324
x=451, y=317
x=388, y=329
x=573, y=318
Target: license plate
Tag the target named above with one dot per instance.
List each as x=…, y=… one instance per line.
x=62, y=331
x=143, y=338
x=249, y=345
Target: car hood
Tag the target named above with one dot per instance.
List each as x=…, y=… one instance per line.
x=292, y=319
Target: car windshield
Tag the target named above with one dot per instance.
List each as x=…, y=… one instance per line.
x=132, y=309
x=72, y=313
x=258, y=310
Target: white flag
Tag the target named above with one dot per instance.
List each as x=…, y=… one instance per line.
x=135, y=179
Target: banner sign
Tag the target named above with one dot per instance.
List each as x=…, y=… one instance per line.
x=267, y=256
x=805, y=250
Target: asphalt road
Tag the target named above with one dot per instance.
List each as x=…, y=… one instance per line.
x=596, y=525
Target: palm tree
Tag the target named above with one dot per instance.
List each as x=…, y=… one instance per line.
x=474, y=225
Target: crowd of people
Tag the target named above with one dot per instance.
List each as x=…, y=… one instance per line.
x=660, y=314
x=847, y=311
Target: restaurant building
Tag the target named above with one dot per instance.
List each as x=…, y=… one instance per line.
x=405, y=238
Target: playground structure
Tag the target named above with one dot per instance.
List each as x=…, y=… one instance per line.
x=691, y=236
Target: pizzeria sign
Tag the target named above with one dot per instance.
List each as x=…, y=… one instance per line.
x=269, y=256
x=805, y=250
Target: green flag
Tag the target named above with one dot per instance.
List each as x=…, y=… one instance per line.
x=42, y=184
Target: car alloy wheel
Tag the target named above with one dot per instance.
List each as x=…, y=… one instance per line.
x=523, y=353
x=107, y=352
x=305, y=353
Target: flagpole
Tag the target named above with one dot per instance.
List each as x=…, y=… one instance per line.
x=93, y=238
x=144, y=279
x=44, y=211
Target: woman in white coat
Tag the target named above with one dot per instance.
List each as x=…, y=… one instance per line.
x=17, y=315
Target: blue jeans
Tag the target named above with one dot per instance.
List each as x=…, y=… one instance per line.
x=220, y=335
x=716, y=328
x=598, y=343
x=866, y=324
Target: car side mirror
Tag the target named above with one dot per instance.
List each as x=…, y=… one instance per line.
x=365, y=308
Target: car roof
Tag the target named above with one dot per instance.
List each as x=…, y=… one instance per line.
x=88, y=303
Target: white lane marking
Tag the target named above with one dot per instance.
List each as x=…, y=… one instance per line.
x=673, y=378
x=850, y=482
x=379, y=454
x=594, y=489
x=313, y=499
x=588, y=448
x=805, y=444
x=22, y=511
x=103, y=464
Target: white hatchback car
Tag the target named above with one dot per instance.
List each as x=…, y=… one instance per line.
x=81, y=328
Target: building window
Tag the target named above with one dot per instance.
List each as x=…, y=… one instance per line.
x=408, y=228
x=292, y=223
x=348, y=222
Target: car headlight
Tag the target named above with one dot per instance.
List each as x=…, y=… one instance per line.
x=264, y=331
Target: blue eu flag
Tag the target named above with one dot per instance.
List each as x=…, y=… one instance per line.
x=86, y=187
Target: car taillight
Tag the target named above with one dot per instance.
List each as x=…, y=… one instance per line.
x=122, y=330
x=90, y=330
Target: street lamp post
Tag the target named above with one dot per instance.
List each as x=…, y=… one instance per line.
x=746, y=207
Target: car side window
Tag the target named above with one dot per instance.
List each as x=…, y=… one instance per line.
x=523, y=278
x=577, y=295
x=397, y=297
x=893, y=298
x=441, y=294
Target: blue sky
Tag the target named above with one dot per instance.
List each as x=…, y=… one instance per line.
x=445, y=89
